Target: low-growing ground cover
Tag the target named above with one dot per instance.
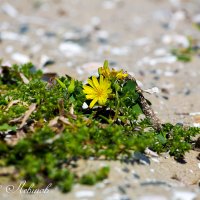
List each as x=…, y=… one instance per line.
x=47, y=123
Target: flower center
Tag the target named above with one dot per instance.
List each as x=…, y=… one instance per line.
x=100, y=92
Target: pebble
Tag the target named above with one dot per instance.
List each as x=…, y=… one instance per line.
x=136, y=176
x=117, y=196
x=85, y=194
x=194, y=113
x=179, y=124
x=70, y=49
x=152, y=90
x=160, y=52
x=122, y=189
x=126, y=169
x=7, y=35
x=141, y=158
x=102, y=36
x=183, y=195
x=96, y=22
x=20, y=58
x=79, y=37
x=142, y=41
x=45, y=61
x=158, y=60
x=176, y=39
x=108, y=4
x=9, y=10
x=24, y=28
x=120, y=51
x=198, y=165
x=152, y=197
x=84, y=106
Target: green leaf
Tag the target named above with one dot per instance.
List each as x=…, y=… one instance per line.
x=129, y=86
x=137, y=109
x=71, y=86
x=61, y=83
x=6, y=127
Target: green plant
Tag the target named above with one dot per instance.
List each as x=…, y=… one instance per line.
x=50, y=129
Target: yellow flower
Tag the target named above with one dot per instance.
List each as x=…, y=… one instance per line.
x=97, y=91
x=105, y=71
x=121, y=74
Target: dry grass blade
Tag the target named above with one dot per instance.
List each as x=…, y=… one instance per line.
x=12, y=103
x=32, y=107
x=24, y=79
x=65, y=120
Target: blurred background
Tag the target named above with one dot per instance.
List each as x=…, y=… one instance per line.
x=74, y=37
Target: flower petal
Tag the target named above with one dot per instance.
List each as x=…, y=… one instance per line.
x=90, y=82
x=95, y=81
x=90, y=96
x=102, y=101
x=88, y=89
x=93, y=102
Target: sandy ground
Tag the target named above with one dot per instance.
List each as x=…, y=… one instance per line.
x=76, y=36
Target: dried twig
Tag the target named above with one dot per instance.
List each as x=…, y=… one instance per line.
x=146, y=108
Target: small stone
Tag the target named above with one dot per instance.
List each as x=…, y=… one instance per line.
x=126, y=169
x=152, y=197
x=9, y=10
x=45, y=60
x=187, y=91
x=137, y=156
x=102, y=36
x=136, y=176
x=24, y=28
x=70, y=49
x=120, y=51
x=84, y=106
x=183, y=195
x=179, y=124
x=85, y=194
x=21, y=58
x=122, y=189
x=165, y=97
